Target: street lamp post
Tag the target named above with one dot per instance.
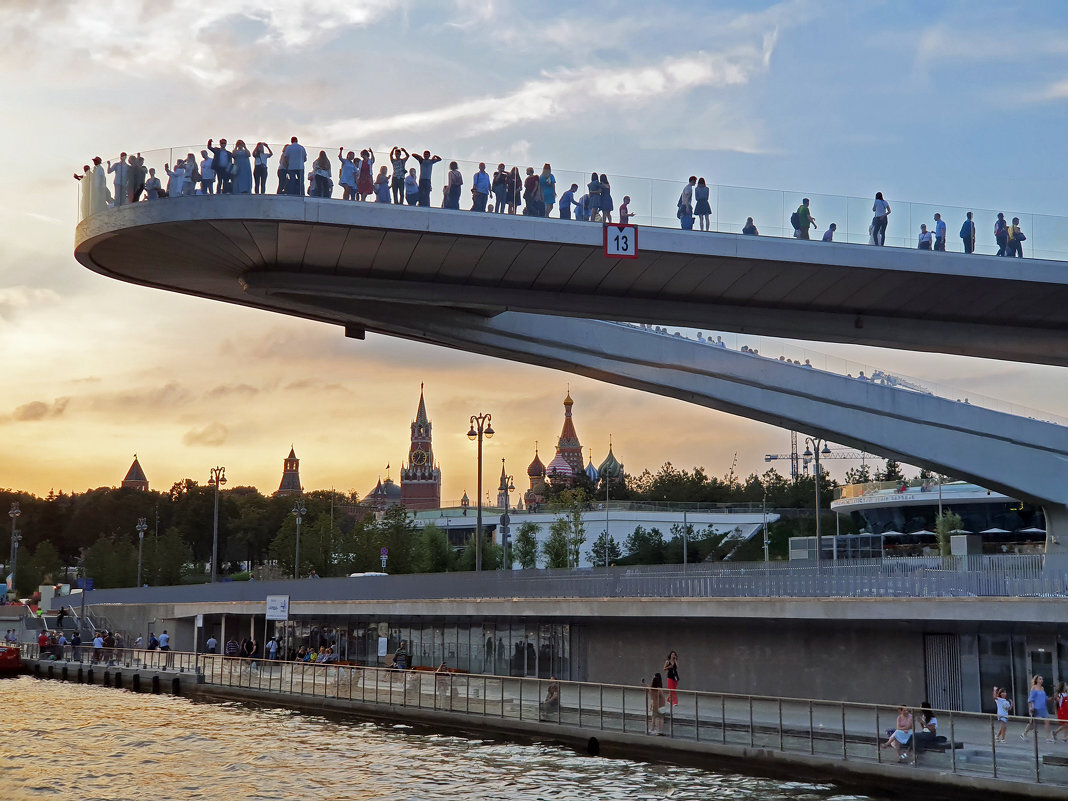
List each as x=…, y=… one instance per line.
x=15, y=537
x=814, y=448
x=141, y=527
x=218, y=478
x=481, y=425
x=298, y=511
x=507, y=486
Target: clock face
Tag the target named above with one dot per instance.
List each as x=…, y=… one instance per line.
x=419, y=457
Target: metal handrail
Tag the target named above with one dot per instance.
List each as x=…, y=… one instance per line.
x=844, y=730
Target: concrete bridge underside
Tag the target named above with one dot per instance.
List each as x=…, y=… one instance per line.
x=275, y=264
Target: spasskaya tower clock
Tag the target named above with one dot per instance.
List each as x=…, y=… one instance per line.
x=420, y=477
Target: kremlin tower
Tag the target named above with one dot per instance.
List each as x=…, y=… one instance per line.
x=421, y=478
x=135, y=477
x=290, y=483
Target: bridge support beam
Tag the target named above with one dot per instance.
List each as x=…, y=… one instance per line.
x=1056, y=527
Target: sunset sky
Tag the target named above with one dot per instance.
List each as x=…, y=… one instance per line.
x=962, y=103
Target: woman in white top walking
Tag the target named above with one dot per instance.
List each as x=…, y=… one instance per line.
x=882, y=211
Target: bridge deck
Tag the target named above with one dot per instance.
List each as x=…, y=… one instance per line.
x=332, y=252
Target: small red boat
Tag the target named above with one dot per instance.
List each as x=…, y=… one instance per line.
x=10, y=659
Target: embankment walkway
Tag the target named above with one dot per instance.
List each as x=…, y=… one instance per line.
x=821, y=740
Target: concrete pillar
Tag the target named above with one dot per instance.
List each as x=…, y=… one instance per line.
x=1056, y=527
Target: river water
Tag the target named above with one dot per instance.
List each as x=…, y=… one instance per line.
x=71, y=741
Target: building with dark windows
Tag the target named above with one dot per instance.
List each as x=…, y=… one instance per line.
x=135, y=477
x=290, y=483
x=420, y=478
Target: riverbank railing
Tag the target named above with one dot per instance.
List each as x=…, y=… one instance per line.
x=962, y=743
x=654, y=202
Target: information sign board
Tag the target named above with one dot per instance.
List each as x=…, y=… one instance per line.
x=621, y=241
x=277, y=607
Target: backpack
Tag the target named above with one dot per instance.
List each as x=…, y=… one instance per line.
x=795, y=221
x=1000, y=227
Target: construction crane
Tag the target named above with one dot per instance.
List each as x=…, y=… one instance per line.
x=803, y=461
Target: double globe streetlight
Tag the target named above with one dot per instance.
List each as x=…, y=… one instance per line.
x=141, y=527
x=15, y=537
x=814, y=448
x=218, y=478
x=481, y=426
x=299, y=511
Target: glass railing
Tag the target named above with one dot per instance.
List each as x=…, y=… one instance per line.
x=654, y=202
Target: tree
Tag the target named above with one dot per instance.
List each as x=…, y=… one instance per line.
x=858, y=475
x=111, y=563
x=166, y=560
x=605, y=551
x=556, y=548
x=645, y=547
x=398, y=533
x=525, y=545
x=945, y=524
x=491, y=554
x=435, y=555
x=893, y=471
x=571, y=503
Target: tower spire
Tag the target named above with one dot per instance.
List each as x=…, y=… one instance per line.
x=421, y=416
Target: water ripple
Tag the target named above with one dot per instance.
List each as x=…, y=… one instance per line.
x=113, y=745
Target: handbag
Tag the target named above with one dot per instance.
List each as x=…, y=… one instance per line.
x=664, y=710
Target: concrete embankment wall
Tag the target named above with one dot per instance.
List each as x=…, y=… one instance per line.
x=889, y=780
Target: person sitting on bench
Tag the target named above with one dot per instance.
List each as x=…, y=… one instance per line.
x=551, y=704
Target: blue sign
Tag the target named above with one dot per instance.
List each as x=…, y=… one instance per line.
x=85, y=584
x=384, y=552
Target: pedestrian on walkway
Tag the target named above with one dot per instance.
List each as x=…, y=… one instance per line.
x=828, y=235
x=750, y=229
x=671, y=670
x=398, y=157
x=702, y=210
x=548, y=189
x=480, y=188
x=567, y=200
x=805, y=220
x=1004, y=707
x=882, y=212
x=347, y=175
x=594, y=191
x=967, y=234
x=365, y=180
x=940, y=233
x=499, y=185
x=656, y=704
x=1001, y=233
x=1037, y=709
x=1060, y=704
x=1015, y=239
x=426, y=166
x=926, y=238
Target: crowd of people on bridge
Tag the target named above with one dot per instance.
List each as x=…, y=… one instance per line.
x=241, y=170
x=1008, y=236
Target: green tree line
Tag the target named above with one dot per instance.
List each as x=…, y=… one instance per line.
x=94, y=532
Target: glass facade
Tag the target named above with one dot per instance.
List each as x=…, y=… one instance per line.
x=496, y=647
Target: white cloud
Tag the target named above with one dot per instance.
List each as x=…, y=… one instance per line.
x=571, y=93
x=206, y=41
